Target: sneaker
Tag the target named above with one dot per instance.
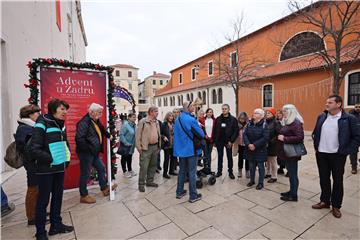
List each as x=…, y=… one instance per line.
x=41, y=236
x=181, y=195
x=239, y=173
x=231, y=175
x=267, y=176
x=354, y=171
x=289, y=198
x=285, y=194
x=152, y=184
x=218, y=174
x=198, y=197
x=247, y=174
x=106, y=191
x=133, y=174
x=250, y=184
x=272, y=180
x=173, y=173
x=60, y=229
x=87, y=199
x=166, y=176
x=141, y=188
x=126, y=174
x=259, y=186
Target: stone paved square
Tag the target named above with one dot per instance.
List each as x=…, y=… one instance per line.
x=228, y=210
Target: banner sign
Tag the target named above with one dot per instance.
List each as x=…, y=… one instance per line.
x=79, y=88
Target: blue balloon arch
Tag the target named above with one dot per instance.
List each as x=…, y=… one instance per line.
x=123, y=93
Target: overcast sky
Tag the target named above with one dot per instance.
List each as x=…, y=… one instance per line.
x=162, y=35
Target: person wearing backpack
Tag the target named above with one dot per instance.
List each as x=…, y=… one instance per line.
x=28, y=116
x=186, y=129
x=51, y=152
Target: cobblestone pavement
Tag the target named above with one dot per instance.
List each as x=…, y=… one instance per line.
x=228, y=210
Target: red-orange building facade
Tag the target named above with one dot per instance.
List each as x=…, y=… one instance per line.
x=301, y=80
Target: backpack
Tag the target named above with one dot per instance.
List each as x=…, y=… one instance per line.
x=13, y=157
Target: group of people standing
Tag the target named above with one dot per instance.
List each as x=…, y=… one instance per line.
x=258, y=140
x=268, y=140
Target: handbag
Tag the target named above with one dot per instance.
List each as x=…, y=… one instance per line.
x=196, y=141
x=294, y=150
x=123, y=149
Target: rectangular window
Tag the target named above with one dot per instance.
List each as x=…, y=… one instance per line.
x=193, y=74
x=267, y=96
x=161, y=82
x=210, y=68
x=353, y=89
x=233, y=60
x=180, y=78
x=117, y=73
x=130, y=86
x=129, y=74
x=154, y=82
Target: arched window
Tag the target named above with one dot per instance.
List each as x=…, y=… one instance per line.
x=214, y=97
x=188, y=97
x=267, y=93
x=179, y=100
x=203, y=97
x=159, y=102
x=302, y=44
x=182, y=99
x=191, y=97
x=220, y=96
x=173, y=100
x=199, y=95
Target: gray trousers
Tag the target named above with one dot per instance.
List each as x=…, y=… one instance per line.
x=148, y=159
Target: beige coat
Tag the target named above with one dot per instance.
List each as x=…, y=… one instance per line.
x=143, y=134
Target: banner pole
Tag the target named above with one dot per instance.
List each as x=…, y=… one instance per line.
x=108, y=150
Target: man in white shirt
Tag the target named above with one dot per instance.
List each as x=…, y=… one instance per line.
x=335, y=136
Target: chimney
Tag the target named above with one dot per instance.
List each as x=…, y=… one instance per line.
x=154, y=72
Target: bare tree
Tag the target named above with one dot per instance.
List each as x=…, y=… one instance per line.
x=236, y=64
x=339, y=23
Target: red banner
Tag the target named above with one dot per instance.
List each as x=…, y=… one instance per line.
x=79, y=88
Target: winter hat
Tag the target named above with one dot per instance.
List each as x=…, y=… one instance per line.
x=272, y=110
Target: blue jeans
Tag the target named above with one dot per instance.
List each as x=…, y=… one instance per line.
x=87, y=161
x=187, y=166
x=261, y=166
x=49, y=183
x=292, y=167
x=4, y=200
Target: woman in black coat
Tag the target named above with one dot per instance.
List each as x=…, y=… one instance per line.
x=167, y=138
x=274, y=127
x=28, y=116
x=256, y=137
x=292, y=132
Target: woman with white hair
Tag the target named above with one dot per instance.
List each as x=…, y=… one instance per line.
x=256, y=136
x=292, y=132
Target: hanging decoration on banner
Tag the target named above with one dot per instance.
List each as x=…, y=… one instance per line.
x=123, y=93
x=33, y=85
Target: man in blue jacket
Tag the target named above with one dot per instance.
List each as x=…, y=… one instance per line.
x=185, y=129
x=336, y=135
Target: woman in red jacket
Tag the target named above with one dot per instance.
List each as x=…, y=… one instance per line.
x=208, y=125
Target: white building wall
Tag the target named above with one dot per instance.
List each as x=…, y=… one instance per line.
x=123, y=106
x=228, y=97
x=29, y=30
